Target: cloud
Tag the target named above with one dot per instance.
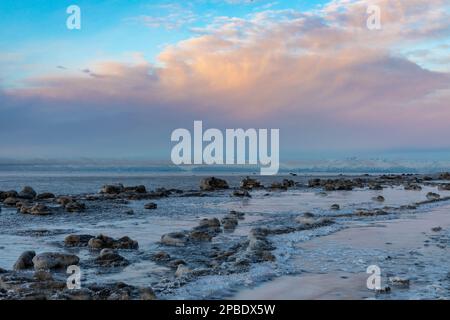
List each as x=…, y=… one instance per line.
x=170, y=17
x=321, y=76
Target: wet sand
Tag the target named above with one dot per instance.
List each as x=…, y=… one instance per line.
x=406, y=235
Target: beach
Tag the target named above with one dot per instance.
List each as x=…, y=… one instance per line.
x=191, y=236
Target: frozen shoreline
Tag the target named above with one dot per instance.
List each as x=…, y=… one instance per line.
x=406, y=235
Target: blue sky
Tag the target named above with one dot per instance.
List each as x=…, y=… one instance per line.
x=110, y=29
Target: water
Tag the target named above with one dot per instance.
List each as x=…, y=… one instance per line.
x=268, y=209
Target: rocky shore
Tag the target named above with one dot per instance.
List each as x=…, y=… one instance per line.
x=189, y=254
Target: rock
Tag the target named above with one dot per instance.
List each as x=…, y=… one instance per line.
x=212, y=183
x=109, y=258
x=175, y=263
x=444, y=187
x=335, y=207
x=64, y=200
x=25, y=260
x=129, y=212
x=308, y=215
x=161, y=256
x=288, y=183
x=267, y=256
x=383, y=290
x=249, y=183
x=27, y=193
x=413, y=187
x=39, y=210
x=444, y=176
x=151, y=206
x=200, y=236
x=177, y=239
x=210, y=223
x=147, y=294
x=45, y=195
x=182, y=271
x=74, y=206
x=241, y=193
x=102, y=242
x=136, y=189
x=42, y=275
x=277, y=186
x=436, y=229
x=8, y=194
x=112, y=189
x=229, y=222
x=77, y=240
x=379, y=198
x=237, y=214
x=433, y=196
x=52, y=260
x=399, y=282
x=370, y=213
x=377, y=187
x=10, y=201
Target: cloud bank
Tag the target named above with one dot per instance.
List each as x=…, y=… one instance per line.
x=321, y=77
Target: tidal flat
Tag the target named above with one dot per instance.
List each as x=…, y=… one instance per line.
x=182, y=236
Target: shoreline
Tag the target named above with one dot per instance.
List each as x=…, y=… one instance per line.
x=407, y=234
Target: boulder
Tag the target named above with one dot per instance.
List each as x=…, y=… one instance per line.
x=75, y=206
x=182, y=271
x=379, y=198
x=112, y=189
x=151, y=206
x=45, y=195
x=229, y=222
x=433, y=196
x=40, y=210
x=444, y=176
x=64, y=200
x=8, y=194
x=444, y=187
x=161, y=256
x=177, y=239
x=27, y=193
x=413, y=187
x=77, y=240
x=335, y=207
x=109, y=258
x=200, y=236
x=10, y=201
x=212, y=183
x=249, y=183
x=102, y=242
x=53, y=260
x=25, y=261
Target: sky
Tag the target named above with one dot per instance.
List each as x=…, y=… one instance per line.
x=137, y=70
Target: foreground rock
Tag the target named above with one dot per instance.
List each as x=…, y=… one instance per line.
x=27, y=193
x=151, y=206
x=105, y=242
x=25, y=261
x=177, y=239
x=77, y=240
x=212, y=183
x=109, y=258
x=433, y=196
x=249, y=184
x=43, y=286
x=54, y=260
x=37, y=210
